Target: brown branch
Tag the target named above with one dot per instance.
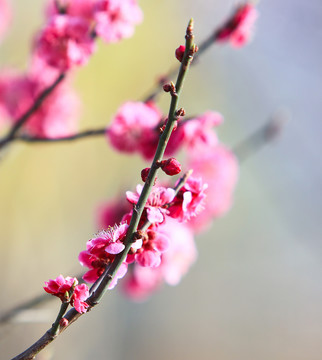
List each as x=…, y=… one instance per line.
x=34, y=107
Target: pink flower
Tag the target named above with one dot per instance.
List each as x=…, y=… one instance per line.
x=5, y=17
x=57, y=115
x=115, y=19
x=100, y=252
x=154, y=244
x=189, y=201
x=155, y=206
x=198, y=133
x=218, y=167
x=65, y=42
x=80, y=294
x=175, y=262
x=140, y=283
x=79, y=8
x=239, y=28
x=60, y=286
x=181, y=253
x=133, y=126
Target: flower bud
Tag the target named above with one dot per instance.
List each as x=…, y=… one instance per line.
x=180, y=52
x=171, y=166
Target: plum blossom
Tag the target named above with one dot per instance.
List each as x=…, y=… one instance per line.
x=115, y=19
x=100, y=252
x=133, y=128
x=155, y=207
x=153, y=245
x=60, y=286
x=79, y=8
x=65, y=42
x=5, y=17
x=56, y=116
x=238, y=30
x=141, y=282
x=198, y=133
x=219, y=168
x=189, y=201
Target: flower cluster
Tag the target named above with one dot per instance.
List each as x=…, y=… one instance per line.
x=68, y=290
x=171, y=216
x=67, y=40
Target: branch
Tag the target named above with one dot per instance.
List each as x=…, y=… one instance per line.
x=264, y=135
x=111, y=271
x=34, y=107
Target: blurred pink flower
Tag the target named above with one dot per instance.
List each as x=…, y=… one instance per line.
x=181, y=253
x=79, y=8
x=115, y=19
x=5, y=17
x=219, y=168
x=239, y=29
x=131, y=127
x=65, y=42
x=56, y=116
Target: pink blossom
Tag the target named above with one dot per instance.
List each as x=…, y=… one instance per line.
x=5, y=17
x=198, y=132
x=175, y=262
x=189, y=201
x=140, y=283
x=115, y=19
x=60, y=286
x=181, y=253
x=79, y=8
x=80, y=294
x=65, y=42
x=133, y=126
x=154, y=244
x=155, y=206
x=57, y=115
x=238, y=30
x=100, y=252
x=218, y=167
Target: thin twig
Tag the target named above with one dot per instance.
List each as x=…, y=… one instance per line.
x=34, y=107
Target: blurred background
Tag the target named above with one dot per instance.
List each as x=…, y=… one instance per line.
x=255, y=291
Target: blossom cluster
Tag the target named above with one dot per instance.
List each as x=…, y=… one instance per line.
x=163, y=248
x=66, y=40
x=172, y=215
x=68, y=290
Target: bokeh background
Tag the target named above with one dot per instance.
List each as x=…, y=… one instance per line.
x=255, y=292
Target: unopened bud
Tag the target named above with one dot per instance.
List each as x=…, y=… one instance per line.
x=171, y=166
x=181, y=112
x=180, y=52
x=63, y=322
x=167, y=87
